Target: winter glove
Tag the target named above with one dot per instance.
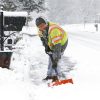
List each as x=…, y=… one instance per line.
x=47, y=49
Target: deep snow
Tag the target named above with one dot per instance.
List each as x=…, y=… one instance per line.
x=29, y=66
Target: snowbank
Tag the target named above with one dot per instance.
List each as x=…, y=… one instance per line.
x=82, y=27
x=14, y=14
x=31, y=30
x=12, y=87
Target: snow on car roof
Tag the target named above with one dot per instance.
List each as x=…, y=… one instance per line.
x=14, y=14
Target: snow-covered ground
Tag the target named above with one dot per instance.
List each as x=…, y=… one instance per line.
x=29, y=66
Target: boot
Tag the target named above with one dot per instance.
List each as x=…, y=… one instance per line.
x=47, y=78
x=54, y=78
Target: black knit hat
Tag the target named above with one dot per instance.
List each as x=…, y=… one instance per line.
x=39, y=21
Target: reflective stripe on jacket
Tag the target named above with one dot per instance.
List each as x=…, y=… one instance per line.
x=56, y=35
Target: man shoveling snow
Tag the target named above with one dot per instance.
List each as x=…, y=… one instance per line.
x=55, y=41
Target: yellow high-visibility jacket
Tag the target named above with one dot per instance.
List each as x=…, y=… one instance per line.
x=56, y=35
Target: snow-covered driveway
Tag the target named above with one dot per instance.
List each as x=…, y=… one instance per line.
x=29, y=66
